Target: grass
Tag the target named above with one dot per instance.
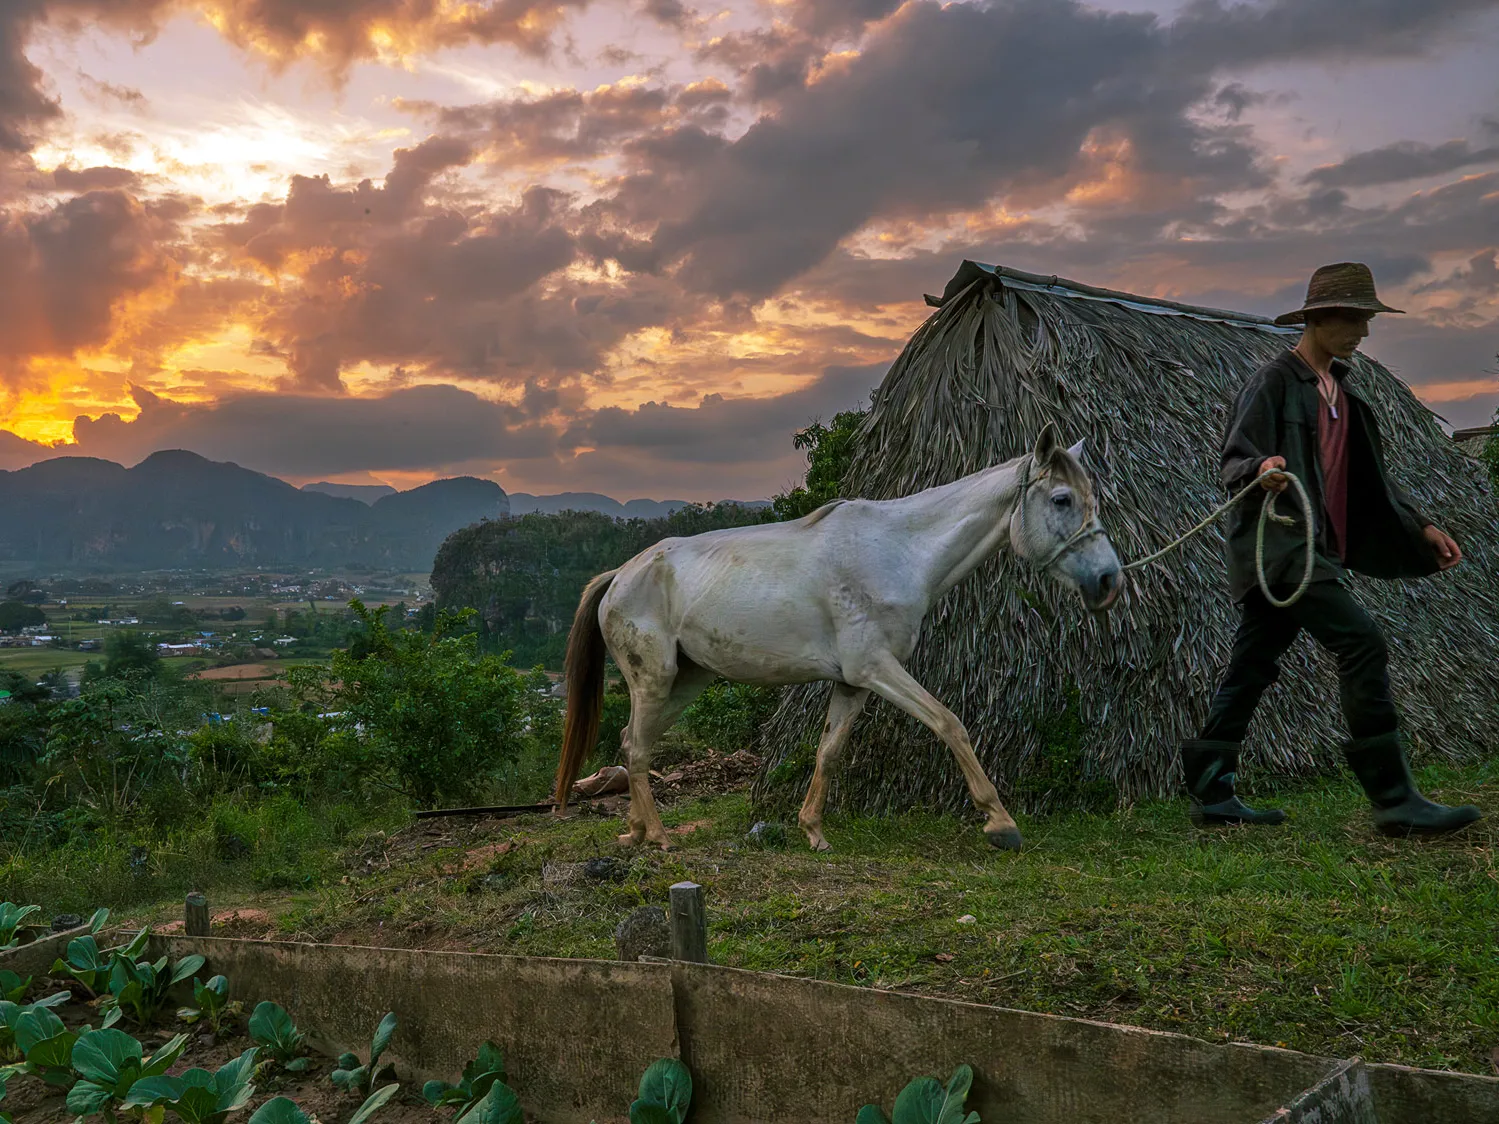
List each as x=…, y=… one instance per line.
x=1319, y=936
x=39, y=661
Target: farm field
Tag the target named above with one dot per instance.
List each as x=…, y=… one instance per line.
x=39, y=661
x=1319, y=936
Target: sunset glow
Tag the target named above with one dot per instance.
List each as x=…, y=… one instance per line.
x=568, y=211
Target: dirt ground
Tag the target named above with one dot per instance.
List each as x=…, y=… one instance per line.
x=240, y=671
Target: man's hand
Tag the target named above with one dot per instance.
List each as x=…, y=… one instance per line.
x=1449, y=554
x=1277, y=482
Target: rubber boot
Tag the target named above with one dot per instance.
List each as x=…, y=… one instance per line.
x=1399, y=808
x=1209, y=768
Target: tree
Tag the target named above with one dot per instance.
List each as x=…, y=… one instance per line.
x=127, y=651
x=16, y=615
x=25, y=590
x=830, y=450
x=440, y=718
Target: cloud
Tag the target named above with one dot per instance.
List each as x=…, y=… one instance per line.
x=91, y=179
x=1403, y=160
x=569, y=124
x=417, y=428
x=385, y=274
x=65, y=270
x=340, y=32
x=445, y=429
x=721, y=430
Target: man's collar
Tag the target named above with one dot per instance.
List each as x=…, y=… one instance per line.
x=1303, y=370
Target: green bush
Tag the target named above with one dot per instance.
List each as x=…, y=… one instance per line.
x=727, y=716
x=439, y=717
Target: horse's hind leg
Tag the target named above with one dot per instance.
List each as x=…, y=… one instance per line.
x=842, y=710
x=887, y=678
x=658, y=695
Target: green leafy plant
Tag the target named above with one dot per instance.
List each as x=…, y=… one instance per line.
x=87, y=964
x=498, y=1106
x=197, y=1096
x=283, y=1110
x=13, y=987
x=46, y=1045
x=665, y=1094
x=10, y=1012
x=271, y=1027
x=925, y=1101
x=211, y=1004
x=12, y=920
x=472, y=1087
x=140, y=988
x=109, y=1063
x=350, y=1075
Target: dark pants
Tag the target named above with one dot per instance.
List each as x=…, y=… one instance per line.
x=1338, y=623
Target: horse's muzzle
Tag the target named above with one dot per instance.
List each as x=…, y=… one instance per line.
x=1104, y=590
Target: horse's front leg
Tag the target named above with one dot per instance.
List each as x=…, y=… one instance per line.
x=846, y=704
x=886, y=677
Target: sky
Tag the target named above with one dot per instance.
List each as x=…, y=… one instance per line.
x=629, y=246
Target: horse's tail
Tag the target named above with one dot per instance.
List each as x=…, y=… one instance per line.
x=583, y=672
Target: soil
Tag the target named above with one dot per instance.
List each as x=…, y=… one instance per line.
x=30, y=1101
x=240, y=671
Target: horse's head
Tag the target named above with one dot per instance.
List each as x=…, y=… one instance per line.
x=1055, y=523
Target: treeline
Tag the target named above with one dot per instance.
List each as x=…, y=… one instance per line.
x=524, y=575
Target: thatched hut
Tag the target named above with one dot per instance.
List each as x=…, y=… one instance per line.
x=1148, y=383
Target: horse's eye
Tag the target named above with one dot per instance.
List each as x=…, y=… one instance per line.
x=1062, y=499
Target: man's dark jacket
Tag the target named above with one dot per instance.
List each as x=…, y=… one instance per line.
x=1275, y=415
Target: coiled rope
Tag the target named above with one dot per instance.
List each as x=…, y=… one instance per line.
x=1267, y=512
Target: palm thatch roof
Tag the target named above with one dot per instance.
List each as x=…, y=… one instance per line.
x=1148, y=383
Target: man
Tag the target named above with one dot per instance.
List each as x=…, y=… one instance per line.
x=1295, y=414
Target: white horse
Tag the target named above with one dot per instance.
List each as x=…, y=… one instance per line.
x=838, y=594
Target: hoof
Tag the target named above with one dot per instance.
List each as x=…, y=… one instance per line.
x=1007, y=839
x=629, y=839
x=665, y=844
x=820, y=845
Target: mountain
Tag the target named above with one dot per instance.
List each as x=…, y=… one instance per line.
x=364, y=493
x=177, y=509
x=523, y=503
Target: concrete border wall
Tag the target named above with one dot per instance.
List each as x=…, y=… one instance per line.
x=37, y=958
x=766, y=1049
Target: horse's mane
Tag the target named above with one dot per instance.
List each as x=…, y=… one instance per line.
x=820, y=514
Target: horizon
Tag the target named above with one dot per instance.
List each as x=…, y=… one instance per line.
x=630, y=248
x=313, y=484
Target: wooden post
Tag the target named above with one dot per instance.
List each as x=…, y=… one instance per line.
x=689, y=923
x=197, y=915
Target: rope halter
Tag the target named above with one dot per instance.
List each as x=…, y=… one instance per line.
x=1090, y=529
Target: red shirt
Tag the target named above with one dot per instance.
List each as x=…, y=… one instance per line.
x=1332, y=448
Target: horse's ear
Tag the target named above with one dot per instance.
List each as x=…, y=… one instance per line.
x=1077, y=451
x=1046, y=445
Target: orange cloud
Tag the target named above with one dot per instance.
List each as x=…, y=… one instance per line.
x=339, y=32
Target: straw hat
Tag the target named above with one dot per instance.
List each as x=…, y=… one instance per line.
x=1349, y=284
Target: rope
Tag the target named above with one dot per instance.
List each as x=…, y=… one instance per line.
x=1267, y=512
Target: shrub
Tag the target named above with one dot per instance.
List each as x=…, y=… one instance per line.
x=439, y=717
x=727, y=715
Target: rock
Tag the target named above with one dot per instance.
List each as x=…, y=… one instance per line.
x=603, y=869
x=768, y=834
x=643, y=932
x=65, y=921
x=968, y=919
